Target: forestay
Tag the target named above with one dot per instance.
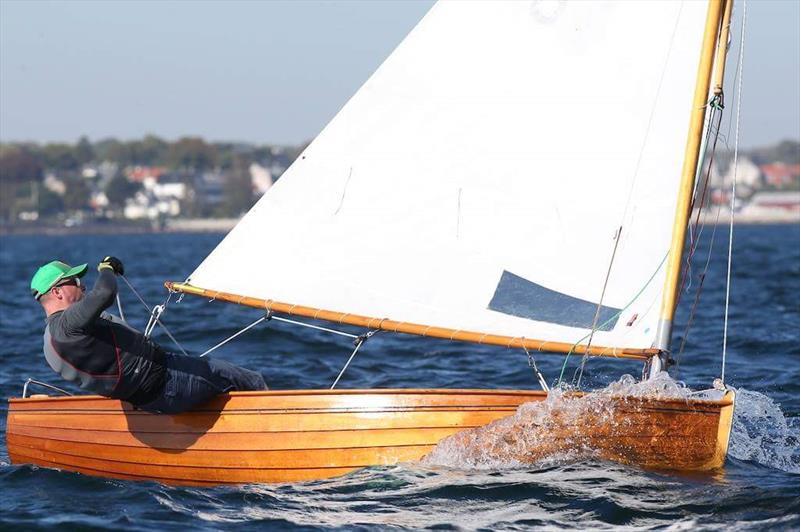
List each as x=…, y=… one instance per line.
x=477, y=180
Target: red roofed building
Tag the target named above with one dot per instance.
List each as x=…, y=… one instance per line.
x=140, y=173
x=780, y=175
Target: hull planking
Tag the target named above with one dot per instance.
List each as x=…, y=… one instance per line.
x=291, y=436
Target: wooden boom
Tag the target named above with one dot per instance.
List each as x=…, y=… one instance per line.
x=386, y=324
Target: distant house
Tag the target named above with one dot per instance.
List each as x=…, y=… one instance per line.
x=748, y=179
x=156, y=199
x=54, y=184
x=209, y=188
x=138, y=174
x=98, y=200
x=773, y=206
x=781, y=175
x=261, y=178
x=716, y=179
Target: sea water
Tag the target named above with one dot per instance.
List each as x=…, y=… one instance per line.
x=455, y=488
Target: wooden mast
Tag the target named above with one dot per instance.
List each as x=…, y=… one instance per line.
x=688, y=173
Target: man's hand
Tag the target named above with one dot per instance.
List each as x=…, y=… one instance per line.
x=113, y=264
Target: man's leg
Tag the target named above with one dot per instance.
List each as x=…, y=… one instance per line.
x=234, y=378
x=193, y=380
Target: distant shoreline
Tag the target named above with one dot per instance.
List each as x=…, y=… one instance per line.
x=224, y=225
x=181, y=225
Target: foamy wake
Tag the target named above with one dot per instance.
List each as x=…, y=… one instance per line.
x=760, y=432
x=527, y=436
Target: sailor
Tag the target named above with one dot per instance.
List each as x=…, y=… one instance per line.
x=101, y=353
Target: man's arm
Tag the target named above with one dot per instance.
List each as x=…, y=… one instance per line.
x=83, y=313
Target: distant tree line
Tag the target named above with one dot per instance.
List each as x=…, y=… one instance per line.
x=787, y=152
x=24, y=165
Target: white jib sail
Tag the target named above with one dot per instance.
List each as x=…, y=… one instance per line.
x=476, y=181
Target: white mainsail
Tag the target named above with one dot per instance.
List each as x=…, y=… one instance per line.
x=477, y=180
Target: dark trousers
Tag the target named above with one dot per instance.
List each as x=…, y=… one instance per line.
x=193, y=380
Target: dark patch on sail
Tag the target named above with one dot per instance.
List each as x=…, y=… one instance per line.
x=519, y=297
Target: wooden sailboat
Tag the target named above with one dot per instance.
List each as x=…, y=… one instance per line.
x=511, y=175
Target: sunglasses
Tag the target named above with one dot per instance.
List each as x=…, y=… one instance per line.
x=72, y=281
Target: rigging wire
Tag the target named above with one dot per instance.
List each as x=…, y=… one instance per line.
x=599, y=305
x=712, y=131
x=733, y=190
x=267, y=316
x=612, y=318
x=119, y=307
x=151, y=311
x=631, y=188
x=535, y=368
x=694, y=232
x=316, y=327
x=717, y=136
x=360, y=340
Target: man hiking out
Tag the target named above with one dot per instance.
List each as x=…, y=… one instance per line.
x=101, y=353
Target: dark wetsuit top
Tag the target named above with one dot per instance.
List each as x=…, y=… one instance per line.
x=100, y=352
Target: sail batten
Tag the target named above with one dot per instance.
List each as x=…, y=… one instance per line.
x=477, y=180
x=390, y=325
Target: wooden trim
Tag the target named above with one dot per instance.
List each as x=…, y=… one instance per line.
x=724, y=428
x=690, y=161
x=386, y=324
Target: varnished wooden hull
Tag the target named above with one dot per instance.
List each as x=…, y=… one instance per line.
x=288, y=436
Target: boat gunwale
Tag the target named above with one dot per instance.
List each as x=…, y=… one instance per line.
x=726, y=400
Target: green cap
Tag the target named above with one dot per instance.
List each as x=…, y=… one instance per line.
x=51, y=273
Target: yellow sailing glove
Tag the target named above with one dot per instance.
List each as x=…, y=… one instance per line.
x=113, y=264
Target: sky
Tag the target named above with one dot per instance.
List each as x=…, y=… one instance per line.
x=268, y=72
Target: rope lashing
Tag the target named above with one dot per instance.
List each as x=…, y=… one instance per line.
x=359, y=341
